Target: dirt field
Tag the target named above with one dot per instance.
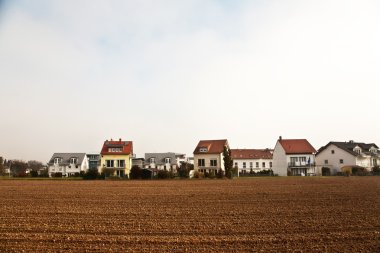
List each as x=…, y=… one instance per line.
x=336, y=214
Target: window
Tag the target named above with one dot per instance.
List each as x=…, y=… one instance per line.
x=152, y=160
x=109, y=163
x=270, y=164
x=257, y=164
x=341, y=161
x=213, y=162
x=167, y=160
x=303, y=159
x=293, y=160
x=57, y=160
x=202, y=149
x=236, y=164
x=120, y=163
x=332, y=151
x=244, y=165
x=263, y=164
x=251, y=165
x=326, y=161
x=115, y=149
x=374, y=162
x=357, y=150
x=73, y=160
x=201, y=162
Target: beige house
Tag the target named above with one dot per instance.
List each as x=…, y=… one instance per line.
x=208, y=156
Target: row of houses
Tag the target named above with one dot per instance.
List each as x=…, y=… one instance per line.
x=290, y=157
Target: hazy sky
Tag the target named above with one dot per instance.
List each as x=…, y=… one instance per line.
x=166, y=74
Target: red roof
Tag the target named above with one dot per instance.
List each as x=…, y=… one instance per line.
x=117, y=147
x=212, y=146
x=251, y=153
x=297, y=146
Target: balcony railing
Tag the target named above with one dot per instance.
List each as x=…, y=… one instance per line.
x=301, y=164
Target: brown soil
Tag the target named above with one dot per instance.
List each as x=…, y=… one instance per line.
x=336, y=214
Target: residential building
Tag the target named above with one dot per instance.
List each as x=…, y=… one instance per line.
x=68, y=164
x=93, y=161
x=252, y=160
x=208, y=155
x=161, y=161
x=293, y=157
x=138, y=162
x=116, y=158
x=335, y=156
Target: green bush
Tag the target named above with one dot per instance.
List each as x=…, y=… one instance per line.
x=163, y=174
x=376, y=170
x=136, y=172
x=91, y=174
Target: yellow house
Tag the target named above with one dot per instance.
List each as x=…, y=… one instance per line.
x=116, y=158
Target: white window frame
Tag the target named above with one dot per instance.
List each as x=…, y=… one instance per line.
x=213, y=162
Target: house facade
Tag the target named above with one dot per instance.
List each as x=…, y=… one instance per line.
x=208, y=155
x=294, y=157
x=336, y=156
x=161, y=161
x=68, y=164
x=116, y=158
x=252, y=160
x=93, y=161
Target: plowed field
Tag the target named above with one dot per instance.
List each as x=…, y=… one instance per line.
x=337, y=214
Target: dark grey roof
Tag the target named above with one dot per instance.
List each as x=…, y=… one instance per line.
x=160, y=158
x=349, y=147
x=66, y=158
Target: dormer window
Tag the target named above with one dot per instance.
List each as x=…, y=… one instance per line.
x=358, y=150
x=113, y=150
x=203, y=150
x=373, y=150
x=152, y=160
x=57, y=160
x=167, y=160
x=73, y=160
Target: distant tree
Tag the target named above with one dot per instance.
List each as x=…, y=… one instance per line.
x=376, y=170
x=228, y=162
x=184, y=169
x=2, y=167
x=136, y=172
x=35, y=167
x=18, y=168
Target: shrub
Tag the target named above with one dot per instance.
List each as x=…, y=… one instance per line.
x=136, y=172
x=376, y=170
x=34, y=173
x=211, y=174
x=198, y=174
x=57, y=174
x=163, y=174
x=91, y=174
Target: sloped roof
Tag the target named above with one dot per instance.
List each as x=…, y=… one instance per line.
x=213, y=146
x=349, y=146
x=160, y=158
x=251, y=153
x=297, y=146
x=127, y=147
x=66, y=158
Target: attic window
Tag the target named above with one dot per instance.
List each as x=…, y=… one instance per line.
x=357, y=150
x=57, y=160
x=167, y=160
x=115, y=149
x=73, y=160
x=203, y=150
x=373, y=150
x=152, y=160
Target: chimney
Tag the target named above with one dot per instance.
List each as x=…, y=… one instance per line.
x=280, y=138
x=120, y=139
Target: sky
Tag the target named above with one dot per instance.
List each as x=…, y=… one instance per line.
x=166, y=74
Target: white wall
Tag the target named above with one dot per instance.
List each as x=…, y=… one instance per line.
x=208, y=157
x=334, y=159
x=240, y=162
x=280, y=163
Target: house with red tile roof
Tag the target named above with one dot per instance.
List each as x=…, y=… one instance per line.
x=116, y=158
x=293, y=157
x=252, y=160
x=208, y=156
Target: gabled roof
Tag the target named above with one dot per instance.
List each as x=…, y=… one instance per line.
x=126, y=147
x=212, y=146
x=65, y=158
x=251, y=153
x=349, y=147
x=297, y=146
x=160, y=158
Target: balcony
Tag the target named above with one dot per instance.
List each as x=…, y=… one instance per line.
x=301, y=164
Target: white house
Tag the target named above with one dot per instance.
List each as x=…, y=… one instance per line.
x=293, y=157
x=252, y=160
x=208, y=156
x=69, y=164
x=335, y=156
